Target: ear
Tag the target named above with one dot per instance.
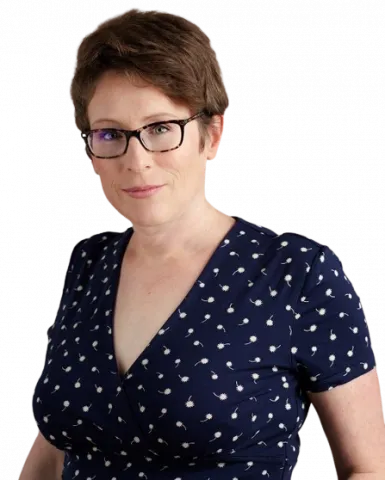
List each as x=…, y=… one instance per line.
x=215, y=134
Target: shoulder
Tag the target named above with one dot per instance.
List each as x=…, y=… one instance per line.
x=292, y=257
x=301, y=250
x=95, y=247
x=314, y=267
x=296, y=246
x=99, y=241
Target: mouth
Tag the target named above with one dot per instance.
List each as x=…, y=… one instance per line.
x=141, y=189
x=143, y=192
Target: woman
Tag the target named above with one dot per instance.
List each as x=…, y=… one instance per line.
x=191, y=345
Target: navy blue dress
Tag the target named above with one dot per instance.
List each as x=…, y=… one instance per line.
x=219, y=393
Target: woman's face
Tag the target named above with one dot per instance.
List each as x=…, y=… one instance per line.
x=182, y=171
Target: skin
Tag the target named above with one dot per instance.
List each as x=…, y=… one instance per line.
x=178, y=221
x=174, y=224
x=353, y=421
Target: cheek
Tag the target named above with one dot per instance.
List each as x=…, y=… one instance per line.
x=184, y=175
x=104, y=169
x=108, y=179
x=187, y=166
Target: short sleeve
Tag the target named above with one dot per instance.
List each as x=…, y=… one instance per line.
x=74, y=258
x=330, y=338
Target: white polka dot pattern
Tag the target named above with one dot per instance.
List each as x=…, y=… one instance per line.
x=220, y=391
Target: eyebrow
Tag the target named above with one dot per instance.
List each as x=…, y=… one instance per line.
x=144, y=119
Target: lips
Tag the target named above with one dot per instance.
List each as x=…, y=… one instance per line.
x=141, y=189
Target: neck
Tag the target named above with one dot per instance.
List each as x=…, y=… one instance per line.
x=183, y=236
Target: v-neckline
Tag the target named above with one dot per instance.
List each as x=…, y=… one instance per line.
x=115, y=281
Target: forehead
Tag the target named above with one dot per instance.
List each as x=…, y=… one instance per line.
x=130, y=103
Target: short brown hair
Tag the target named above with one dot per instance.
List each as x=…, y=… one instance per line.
x=161, y=49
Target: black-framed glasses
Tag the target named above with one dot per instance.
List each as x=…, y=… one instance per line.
x=159, y=137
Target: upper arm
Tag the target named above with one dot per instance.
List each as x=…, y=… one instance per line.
x=43, y=449
x=331, y=339
x=336, y=366
x=352, y=419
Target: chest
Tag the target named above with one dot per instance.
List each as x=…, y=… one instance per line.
x=146, y=298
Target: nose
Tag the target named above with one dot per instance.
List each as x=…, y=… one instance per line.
x=136, y=156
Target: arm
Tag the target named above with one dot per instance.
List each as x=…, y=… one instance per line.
x=352, y=419
x=43, y=461
x=336, y=367
x=366, y=476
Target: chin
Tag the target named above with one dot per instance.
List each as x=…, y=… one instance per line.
x=148, y=218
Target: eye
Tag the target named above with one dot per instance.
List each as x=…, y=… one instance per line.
x=159, y=126
x=108, y=135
